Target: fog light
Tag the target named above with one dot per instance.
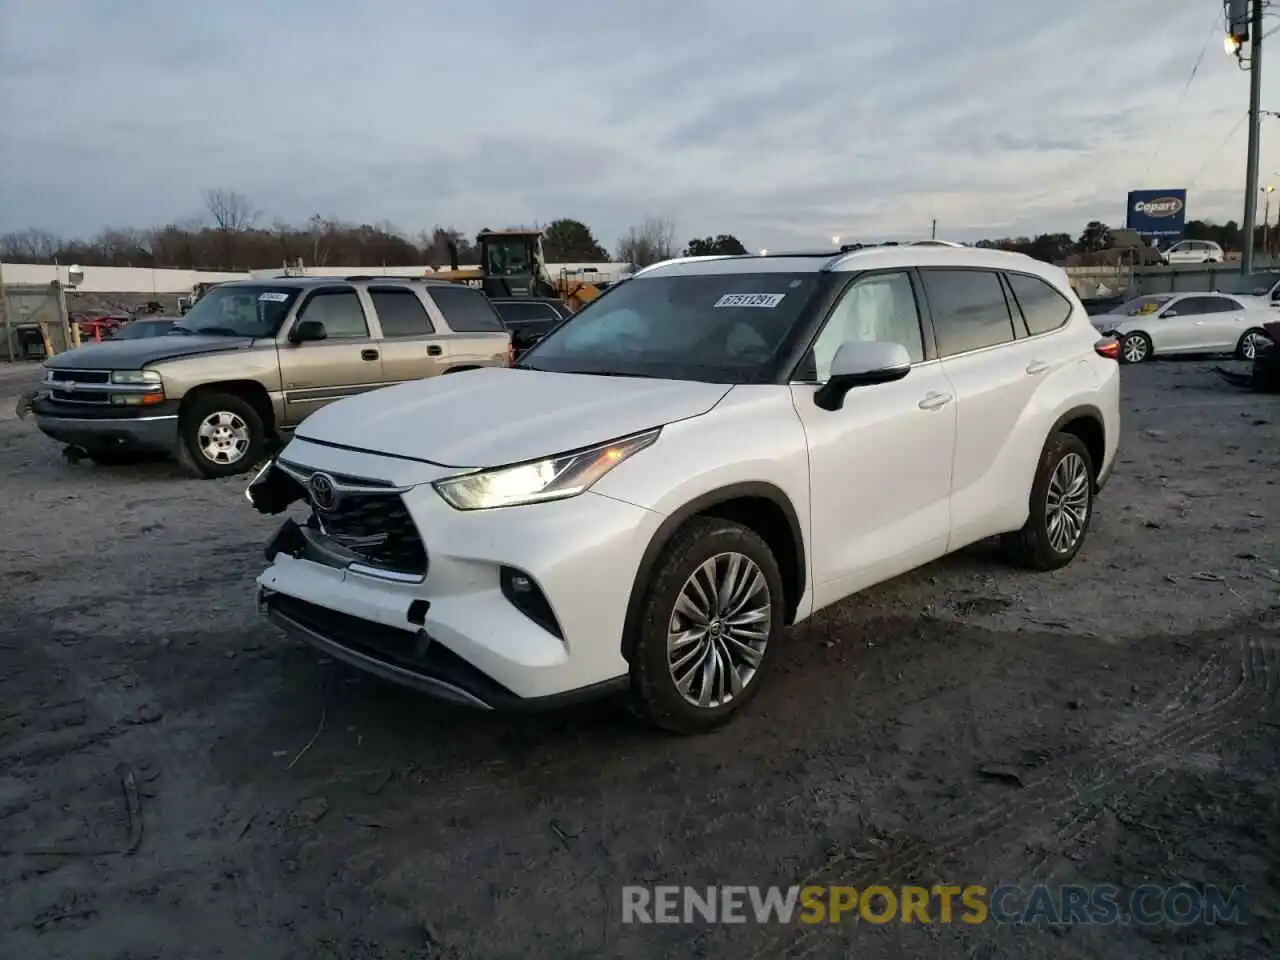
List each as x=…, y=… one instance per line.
x=525, y=595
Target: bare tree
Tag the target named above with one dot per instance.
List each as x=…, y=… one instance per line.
x=232, y=212
x=30, y=246
x=648, y=242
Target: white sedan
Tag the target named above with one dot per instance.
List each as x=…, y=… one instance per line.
x=1173, y=323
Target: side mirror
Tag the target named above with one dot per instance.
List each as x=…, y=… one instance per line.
x=1275, y=295
x=1169, y=313
x=308, y=331
x=860, y=363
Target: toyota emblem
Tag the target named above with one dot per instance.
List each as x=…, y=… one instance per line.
x=324, y=493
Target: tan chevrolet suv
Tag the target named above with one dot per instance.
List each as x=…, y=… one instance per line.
x=253, y=358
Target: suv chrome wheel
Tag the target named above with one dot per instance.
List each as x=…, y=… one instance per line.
x=1066, y=507
x=712, y=611
x=719, y=630
x=224, y=438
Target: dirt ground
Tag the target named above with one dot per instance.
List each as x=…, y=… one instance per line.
x=176, y=780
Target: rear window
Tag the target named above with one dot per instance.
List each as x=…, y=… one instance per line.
x=466, y=310
x=723, y=328
x=1043, y=307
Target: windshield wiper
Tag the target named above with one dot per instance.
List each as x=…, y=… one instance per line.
x=607, y=373
x=218, y=331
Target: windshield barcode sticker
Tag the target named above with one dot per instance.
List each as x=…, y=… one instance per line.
x=767, y=300
x=274, y=297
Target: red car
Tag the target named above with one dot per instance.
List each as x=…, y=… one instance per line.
x=94, y=328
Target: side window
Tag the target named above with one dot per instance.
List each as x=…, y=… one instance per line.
x=466, y=310
x=969, y=310
x=1043, y=307
x=340, y=312
x=400, y=312
x=879, y=307
x=1186, y=307
x=1219, y=305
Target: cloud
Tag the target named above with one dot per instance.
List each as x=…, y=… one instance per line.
x=783, y=124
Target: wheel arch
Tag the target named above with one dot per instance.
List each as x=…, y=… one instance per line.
x=759, y=505
x=1086, y=423
x=250, y=391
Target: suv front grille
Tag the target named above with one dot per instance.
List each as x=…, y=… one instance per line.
x=377, y=527
x=81, y=376
x=62, y=383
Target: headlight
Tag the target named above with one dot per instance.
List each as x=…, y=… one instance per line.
x=555, y=478
x=134, y=376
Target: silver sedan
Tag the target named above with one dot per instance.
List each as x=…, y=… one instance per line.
x=1173, y=323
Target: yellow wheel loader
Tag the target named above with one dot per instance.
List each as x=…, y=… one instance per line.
x=512, y=265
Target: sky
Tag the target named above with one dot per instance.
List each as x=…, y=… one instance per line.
x=783, y=124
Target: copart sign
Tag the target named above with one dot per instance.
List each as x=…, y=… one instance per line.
x=1157, y=213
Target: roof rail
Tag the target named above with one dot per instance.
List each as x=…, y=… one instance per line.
x=674, y=260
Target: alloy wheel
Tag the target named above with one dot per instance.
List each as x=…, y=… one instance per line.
x=719, y=630
x=1134, y=348
x=223, y=437
x=1067, y=503
x=1249, y=346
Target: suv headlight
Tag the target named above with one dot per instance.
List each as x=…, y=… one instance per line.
x=135, y=376
x=554, y=478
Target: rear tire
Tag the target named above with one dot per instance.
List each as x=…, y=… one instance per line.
x=1135, y=347
x=691, y=645
x=1061, y=507
x=220, y=435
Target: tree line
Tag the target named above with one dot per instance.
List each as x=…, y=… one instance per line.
x=231, y=236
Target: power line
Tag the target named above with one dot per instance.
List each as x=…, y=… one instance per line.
x=1155, y=153
x=1218, y=149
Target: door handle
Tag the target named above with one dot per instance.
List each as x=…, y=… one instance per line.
x=368, y=354
x=935, y=401
x=1037, y=366
x=434, y=350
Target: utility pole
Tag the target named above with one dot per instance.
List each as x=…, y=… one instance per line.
x=933, y=231
x=1244, y=22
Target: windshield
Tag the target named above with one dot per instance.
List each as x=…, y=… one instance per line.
x=726, y=328
x=1140, y=306
x=239, y=310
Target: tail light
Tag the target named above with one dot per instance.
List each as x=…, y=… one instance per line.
x=1108, y=347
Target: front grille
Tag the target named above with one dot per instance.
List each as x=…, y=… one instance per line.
x=81, y=376
x=78, y=396
x=377, y=527
x=302, y=474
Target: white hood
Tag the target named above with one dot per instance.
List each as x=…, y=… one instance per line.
x=495, y=415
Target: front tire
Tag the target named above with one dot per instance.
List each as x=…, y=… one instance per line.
x=1135, y=347
x=1247, y=348
x=220, y=435
x=710, y=619
x=1061, y=507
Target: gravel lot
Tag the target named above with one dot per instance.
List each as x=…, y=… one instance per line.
x=178, y=780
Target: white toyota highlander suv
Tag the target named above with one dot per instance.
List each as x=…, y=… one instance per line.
x=707, y=454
